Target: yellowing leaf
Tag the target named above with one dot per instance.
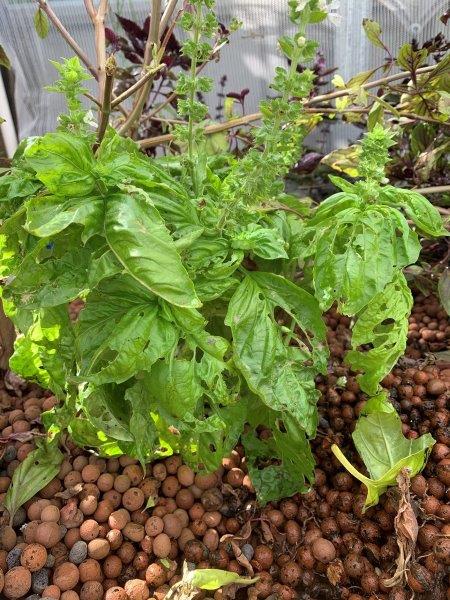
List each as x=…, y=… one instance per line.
x=213, y=579
x=338, y=81
x=342, y=103
x=360, y=78
x=344, y=160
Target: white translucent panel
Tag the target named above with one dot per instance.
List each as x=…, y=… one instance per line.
x=248, y=61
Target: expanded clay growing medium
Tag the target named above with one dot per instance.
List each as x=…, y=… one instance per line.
x=88, y=534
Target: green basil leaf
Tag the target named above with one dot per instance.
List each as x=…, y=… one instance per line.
x=45, y=353
x=174, y=387
x=293, y=468
x=142, y=427
x=49, y=215
x=140, y=240
x=105, y=409
x=383, y=324
x=38, y=469
x=63, y=162
x=357, y=254
x=274, y=371
x=41, y=23
x=120, y=332
x=264, y=242
x=417, y=208
x=385, y=451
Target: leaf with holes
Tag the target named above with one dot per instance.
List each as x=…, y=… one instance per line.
x=380, y=333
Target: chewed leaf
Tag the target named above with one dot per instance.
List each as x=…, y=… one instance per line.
x=213, y=579
x=383, y=324
x=425, y=216
x=384, y=450
x=38, y=469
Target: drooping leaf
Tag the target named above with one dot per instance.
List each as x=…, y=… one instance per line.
x=33, y=473
x=142, y=427
x=344, y=160
x=282, y=464
x=385, y=451
x=105, y=409
x=444, y=290
x=274, y=371
x=381, y=332
x=63, y=162
x=119, y=332
x=410, y=59
x=41, y=23
x=137, y=235
x=213, y=579
x=45, y=354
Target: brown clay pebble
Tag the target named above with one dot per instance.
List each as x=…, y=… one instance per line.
x=137, y=589
x=161, y=545
x=48, y=534
x=50, y=513
x=91, y=590
x=17, y=582
x=90, y=570
x=155, y=575
x=323, y=550
x=89, y=530
x=52, y=591
x=116, y=593
x=33, y=557
x=8, y=538
x=133, y=499
x=90, y=473
x=98, y=549
x=154, y=526
x=66, y=576
x=70, y=595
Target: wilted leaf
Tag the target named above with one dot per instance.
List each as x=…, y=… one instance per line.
x=38, y=469
x=444, y=290
x=410, y=59
x=41, y=23
x=385, y=451
x=213, y=579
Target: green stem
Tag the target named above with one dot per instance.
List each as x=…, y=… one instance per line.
x=197, y=36
x=348, y=465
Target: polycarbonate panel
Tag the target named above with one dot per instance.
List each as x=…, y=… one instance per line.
x=248, y=61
